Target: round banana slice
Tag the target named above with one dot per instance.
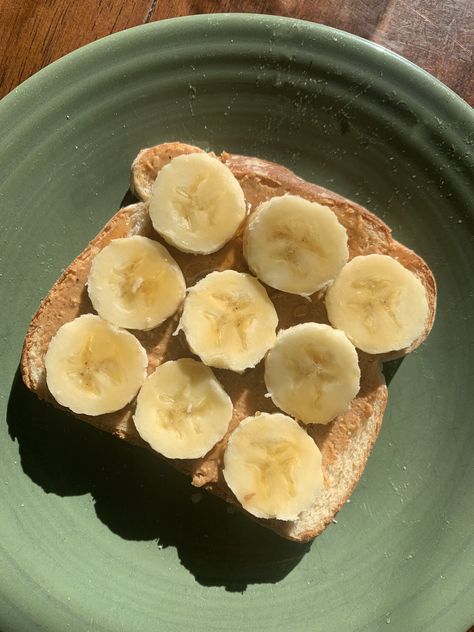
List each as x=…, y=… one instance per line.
x=378, y=303
x=273, y=467
x=295, y=245
x=182, y=410
x=312, y=372
x=229, y=321
x=135, y=283
x=92, y=367
x=197, y=204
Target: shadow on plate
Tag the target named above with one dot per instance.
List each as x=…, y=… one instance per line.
x=139, y=497
x=390, y=368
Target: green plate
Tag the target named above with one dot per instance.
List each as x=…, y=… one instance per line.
x=100, y=536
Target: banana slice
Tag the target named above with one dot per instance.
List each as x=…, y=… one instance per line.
x=379, y=304
x=312, y=372
x=135, y=283
x=273, y=467
x=228, y=320
x=94, y=368
x=295, y=245
x=197, y=204
x=182, y=410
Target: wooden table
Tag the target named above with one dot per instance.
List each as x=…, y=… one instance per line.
x=438, y=35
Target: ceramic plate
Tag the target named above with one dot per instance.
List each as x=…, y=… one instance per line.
x=97, y=535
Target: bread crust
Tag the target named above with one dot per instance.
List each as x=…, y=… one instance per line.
x=347, y=441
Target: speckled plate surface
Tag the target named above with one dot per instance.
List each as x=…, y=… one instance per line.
x=96, y=535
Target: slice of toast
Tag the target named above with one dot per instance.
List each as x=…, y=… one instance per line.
x=346, y=442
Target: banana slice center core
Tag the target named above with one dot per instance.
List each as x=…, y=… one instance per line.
x=315, y=370
x=180, y=410
x=91, y=371
x=374, y=294
x=275, y=466
x=232, y=316
x=195, y=206
x=135, y=282
x=291, y=240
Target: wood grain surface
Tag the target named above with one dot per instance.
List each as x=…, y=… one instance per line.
x=438, y=35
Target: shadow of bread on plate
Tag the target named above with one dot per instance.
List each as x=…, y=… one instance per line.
x=346, y=442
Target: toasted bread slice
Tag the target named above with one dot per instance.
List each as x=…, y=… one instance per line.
x=346, y=442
